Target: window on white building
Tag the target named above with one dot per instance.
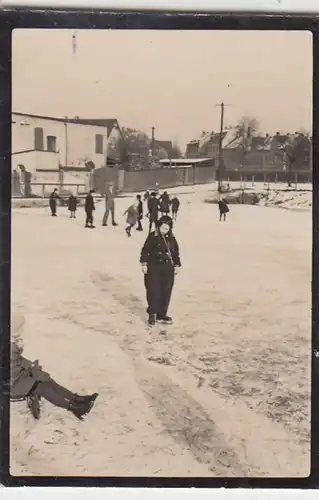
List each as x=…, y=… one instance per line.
x=38, y=139
x=51, y=143
x=99, y=144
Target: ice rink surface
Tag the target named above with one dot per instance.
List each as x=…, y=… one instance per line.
x=226, y=390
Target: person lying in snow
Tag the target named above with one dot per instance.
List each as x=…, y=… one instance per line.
x=30, y=382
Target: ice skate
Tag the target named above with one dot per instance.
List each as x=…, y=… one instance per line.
x=167, y=320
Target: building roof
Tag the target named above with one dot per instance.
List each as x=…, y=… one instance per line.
x=109, y=123
x=214, y=138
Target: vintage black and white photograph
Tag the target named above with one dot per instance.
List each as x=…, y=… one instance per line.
x=161, y=253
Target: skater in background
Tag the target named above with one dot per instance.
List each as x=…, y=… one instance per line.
x=164, y=203
x=175, y=203
x=139, y=213
x=52, y=201
x=30, y=382
x=89, y=207
x=153, y=206
x=146, y=195
x=160, y=261
x=109, y=205
x=223, y=209
x=72, y=206
x=132, y=217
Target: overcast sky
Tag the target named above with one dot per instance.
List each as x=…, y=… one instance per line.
x=167, y=79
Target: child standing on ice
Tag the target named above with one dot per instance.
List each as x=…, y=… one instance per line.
x=132, y=218
x=72, y=206
x=223, y=209
x=160, y=262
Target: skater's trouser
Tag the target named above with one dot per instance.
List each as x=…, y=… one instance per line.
x=174, y=214
x=139, y=224
x=54, y=393
x=53, y=207
x=89, y=218
x=107, y=213
x=222, y=215
x=159, y=282
x=72, y=214
x=153, y=220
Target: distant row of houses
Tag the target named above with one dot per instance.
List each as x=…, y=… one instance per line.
x=43, y=144
x=260, y=153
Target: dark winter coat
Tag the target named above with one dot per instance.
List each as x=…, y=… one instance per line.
x=53, y=197
x=164, y=203
x=223, y=207
x=89, y=205
x=153, y=207
x=175, y=204
x=140, y=209
x=72, y=203
x=24, y=374
x=158, y=248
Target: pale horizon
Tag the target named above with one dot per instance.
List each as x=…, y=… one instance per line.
x=171, y=80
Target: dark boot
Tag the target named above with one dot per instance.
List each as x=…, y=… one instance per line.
x=80, y=409
x=84, y=399
x=151, y=319
x=114, y=223
x=33, y=402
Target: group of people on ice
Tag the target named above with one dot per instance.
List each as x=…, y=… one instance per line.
x=156, y=206
x=159, y=257
x=160, y=262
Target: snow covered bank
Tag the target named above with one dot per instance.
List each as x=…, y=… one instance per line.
x=225, y=392
x=268, y=197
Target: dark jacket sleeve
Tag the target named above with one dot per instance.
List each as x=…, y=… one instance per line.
x=146, y=249
x=175, y=253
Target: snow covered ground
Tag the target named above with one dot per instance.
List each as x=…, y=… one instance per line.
x=226, y=392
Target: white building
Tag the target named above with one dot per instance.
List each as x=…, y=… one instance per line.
x=41, y=145
x=47, y=142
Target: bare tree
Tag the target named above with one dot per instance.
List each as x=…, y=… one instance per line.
x=247, y=127
x=176, y=150
x=298, y=153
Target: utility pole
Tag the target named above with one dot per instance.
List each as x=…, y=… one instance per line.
x=153, y=141
x=220, y=149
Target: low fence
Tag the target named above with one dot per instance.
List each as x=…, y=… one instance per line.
x=141, y=180
x=44, y=189
x=26, y=185
x=266, y=177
